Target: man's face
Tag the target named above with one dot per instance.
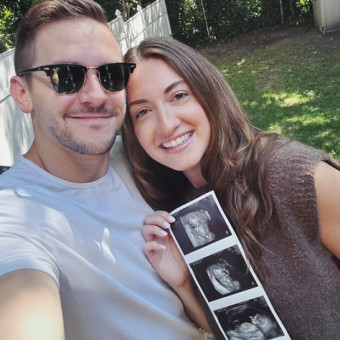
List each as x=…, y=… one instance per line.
x=85, y=122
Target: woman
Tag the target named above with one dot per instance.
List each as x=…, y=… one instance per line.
x=185, y=133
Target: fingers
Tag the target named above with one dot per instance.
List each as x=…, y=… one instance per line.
x=153, y=232
x=153, y=246
x=156, y=225
x=159, y=218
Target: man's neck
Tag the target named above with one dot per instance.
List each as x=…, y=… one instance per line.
x=69, y=165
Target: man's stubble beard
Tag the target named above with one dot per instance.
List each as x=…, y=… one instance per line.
x=84, y=148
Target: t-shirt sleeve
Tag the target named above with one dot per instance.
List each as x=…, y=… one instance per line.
x=24, y=243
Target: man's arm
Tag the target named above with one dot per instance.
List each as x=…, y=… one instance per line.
x=30, y=306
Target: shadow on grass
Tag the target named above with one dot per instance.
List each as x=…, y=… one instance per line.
x=320, y=130
x=294, y=95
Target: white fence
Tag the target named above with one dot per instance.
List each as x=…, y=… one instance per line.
x=151, y=21
x=16, y=133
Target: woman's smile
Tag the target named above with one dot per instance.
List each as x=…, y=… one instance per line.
x=179, y=141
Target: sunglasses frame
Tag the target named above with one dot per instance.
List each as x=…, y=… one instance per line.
x=50, y=69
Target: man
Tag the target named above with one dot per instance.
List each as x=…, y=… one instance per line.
x=71, y=263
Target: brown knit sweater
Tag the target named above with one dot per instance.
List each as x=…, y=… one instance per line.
x=304, y=282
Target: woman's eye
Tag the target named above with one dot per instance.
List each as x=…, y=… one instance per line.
x=180, y=95
x=141, y=113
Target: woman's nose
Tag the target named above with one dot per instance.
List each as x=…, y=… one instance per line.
x=167, y=120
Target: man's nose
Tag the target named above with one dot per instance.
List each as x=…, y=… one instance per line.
x=93, y=92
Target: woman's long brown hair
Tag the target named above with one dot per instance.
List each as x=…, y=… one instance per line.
x=234, y=163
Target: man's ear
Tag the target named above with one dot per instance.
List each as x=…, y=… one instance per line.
x=20, y=93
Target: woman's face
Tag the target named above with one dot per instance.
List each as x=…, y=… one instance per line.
x=169, y=122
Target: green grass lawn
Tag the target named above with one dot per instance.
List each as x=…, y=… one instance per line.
x=289, y=84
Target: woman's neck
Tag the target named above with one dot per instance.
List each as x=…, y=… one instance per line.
x=195, y=177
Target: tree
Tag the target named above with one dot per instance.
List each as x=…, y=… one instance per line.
x=196, y=22
x=10, y=16
x=13, y=10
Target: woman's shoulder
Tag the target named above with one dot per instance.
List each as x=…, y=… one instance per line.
x=291, y=158
x=290, y=171
x=292, y=151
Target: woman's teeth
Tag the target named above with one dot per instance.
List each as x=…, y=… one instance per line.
x=178, y=141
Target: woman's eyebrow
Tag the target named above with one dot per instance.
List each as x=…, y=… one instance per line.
x=171, y=86
x=136, y=102
x=167, y=89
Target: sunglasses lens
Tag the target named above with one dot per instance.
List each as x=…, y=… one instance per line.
x=114, y=77
x=68, y=79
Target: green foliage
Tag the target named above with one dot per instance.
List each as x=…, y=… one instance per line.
x=110, y=7
x=127, y=7
x=187, y=21
x=196, y=22
x=10, y=16
x=5, y=21
x=191, y=22
x=12, y=12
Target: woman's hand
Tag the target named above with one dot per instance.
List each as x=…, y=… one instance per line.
x=164, y=255
x=162, y=251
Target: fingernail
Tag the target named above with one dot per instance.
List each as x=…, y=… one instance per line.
x=166, y=224
x=162, y=246
x=164, y=233
x=172, y=219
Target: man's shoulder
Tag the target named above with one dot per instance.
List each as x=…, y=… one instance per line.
x=12, y=174
x=25, y=180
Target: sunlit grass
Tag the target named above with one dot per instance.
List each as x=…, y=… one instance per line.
x=291, y=88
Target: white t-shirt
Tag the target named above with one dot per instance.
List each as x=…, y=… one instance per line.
x=87, y=236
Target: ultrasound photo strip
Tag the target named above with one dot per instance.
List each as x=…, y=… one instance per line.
x=217, y=263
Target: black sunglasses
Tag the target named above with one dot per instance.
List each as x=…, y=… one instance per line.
x=70, y=78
